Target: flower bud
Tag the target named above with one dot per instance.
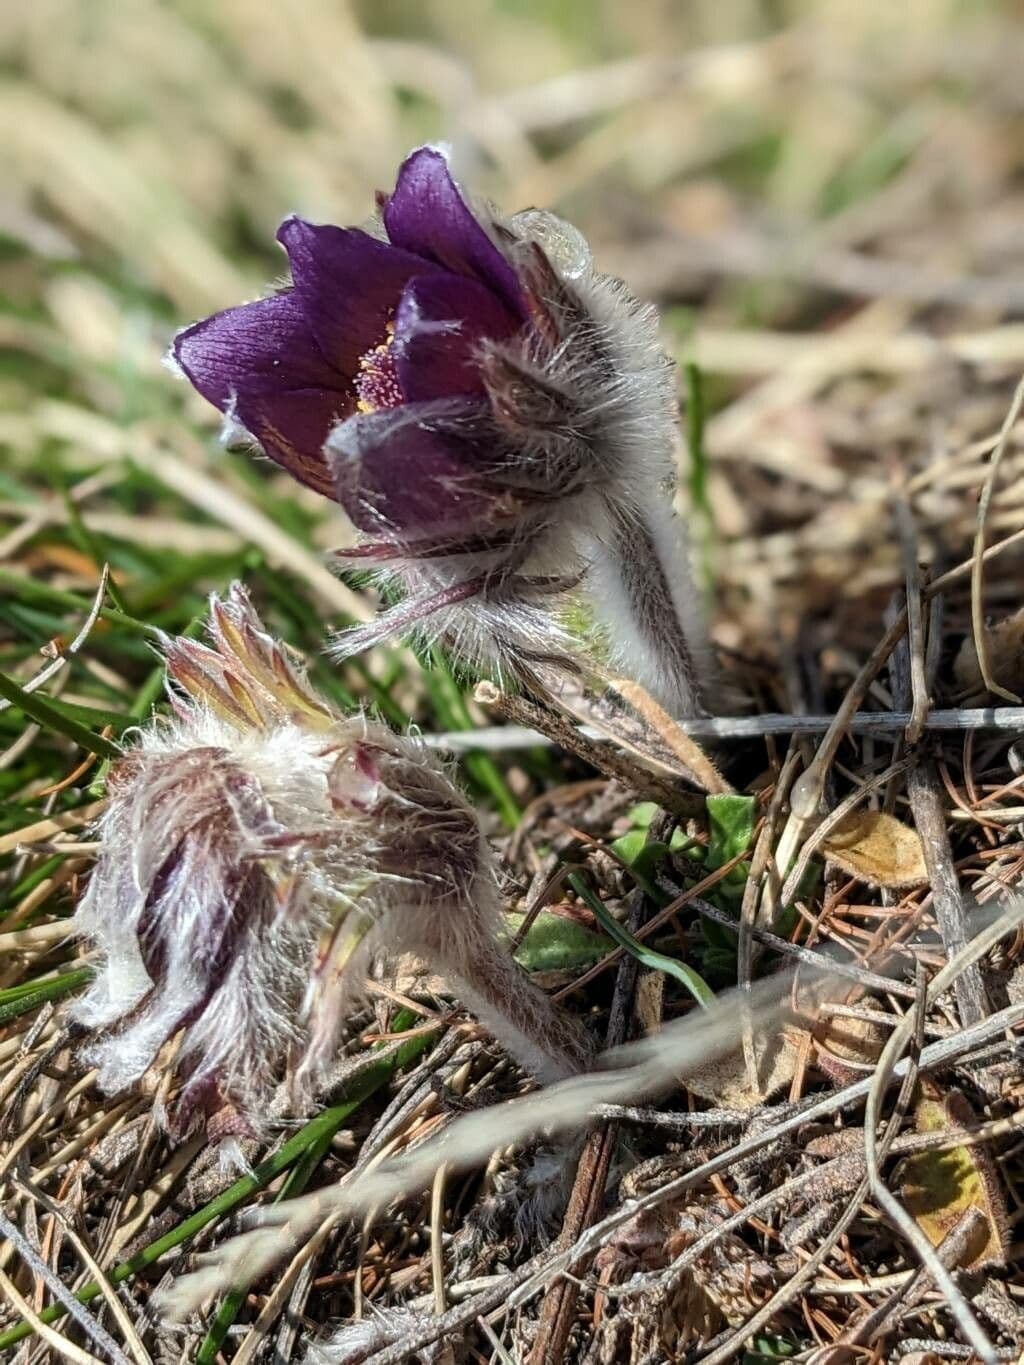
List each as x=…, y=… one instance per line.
x=255, y=848
x=497, y=419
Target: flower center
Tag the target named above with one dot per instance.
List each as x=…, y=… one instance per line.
x=376, y=383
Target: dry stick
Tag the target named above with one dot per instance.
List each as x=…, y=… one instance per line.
x=53, y=1339
x=79, y=1314
x=522, y=1284
x=872, y=981
x=807, y=791
x=887, y=1061
x=382, y=1138
x=524, y=711
x=978, y=570
x=556, y=1317
x=905, y=1145
x=490, y=1302
x=108, y=1291
x=907, y=529
x=759, y=867
x=926, y=804
x=500, y=738
x=885, y=1318
x=638, y=1069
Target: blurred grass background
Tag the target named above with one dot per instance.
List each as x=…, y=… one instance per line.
x=824, y=196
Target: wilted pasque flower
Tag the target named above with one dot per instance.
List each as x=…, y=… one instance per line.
x=496, y=418
x=255, y=848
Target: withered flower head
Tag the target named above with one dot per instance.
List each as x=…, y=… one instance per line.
x=496, y=418
x=254, y=849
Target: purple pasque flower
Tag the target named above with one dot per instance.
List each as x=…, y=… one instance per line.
x=254, y=849
x=498, y=421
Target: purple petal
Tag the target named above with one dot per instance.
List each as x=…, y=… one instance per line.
x=438, y=327
x=406, y=468
x=428, y=215
x=348, y=285
x=261, y=363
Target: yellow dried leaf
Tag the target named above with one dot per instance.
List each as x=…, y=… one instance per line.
x=878, y=849
x=939, y=1187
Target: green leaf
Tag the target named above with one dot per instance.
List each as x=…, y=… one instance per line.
x=769, y=1348
x=659, y=962
x=731, y=826
x=630, y=846
x=557, y=943
x=642, y=814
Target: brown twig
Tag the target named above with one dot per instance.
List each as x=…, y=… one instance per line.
x=978, y=629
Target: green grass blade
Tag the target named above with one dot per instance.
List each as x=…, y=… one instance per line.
x=686, y=976
x=42, y=710
x=20, y=999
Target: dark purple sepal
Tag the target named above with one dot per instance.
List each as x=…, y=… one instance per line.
x=348, y=284
x=427, y=214
x=411, y=468
x=440, y=323
x=261, y=364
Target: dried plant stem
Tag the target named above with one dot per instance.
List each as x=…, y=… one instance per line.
x=978, y=566
x=807, y=791
x=592, y=1170
x=884, y=1072
x=499, y=738
x=59, y=1344
x=761, y=866
x=115, y=1305
x=926, y=803
x=673, y=735
x=907, y=529
x=85, y=1320
x=523, y=711
x=936, y=1055
x=789, y=1291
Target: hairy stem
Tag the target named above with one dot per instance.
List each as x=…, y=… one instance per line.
x=641, y=589
x=543, y=1039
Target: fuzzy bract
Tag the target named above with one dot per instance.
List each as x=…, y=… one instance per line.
x=497, y=419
